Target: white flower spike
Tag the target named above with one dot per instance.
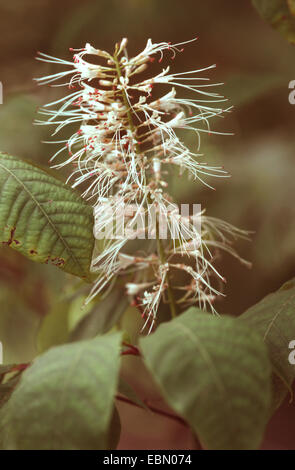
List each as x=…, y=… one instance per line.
x=125, y=143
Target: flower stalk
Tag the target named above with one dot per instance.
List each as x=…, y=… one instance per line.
x=161, y=252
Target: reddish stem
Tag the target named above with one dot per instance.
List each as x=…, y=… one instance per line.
x=20, y=367
x=129, y=352
x=154, y=410
x=166, y=414
x=132, y=350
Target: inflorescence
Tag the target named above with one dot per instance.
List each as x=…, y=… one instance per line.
x=128, y=139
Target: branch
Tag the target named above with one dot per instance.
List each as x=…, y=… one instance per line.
x=154, y=410
x=166, y=414
x=132, y=350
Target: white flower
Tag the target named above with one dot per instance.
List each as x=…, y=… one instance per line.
x=119, y=154
x=134, y=289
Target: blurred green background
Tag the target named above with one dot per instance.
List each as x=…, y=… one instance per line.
x=255, y=63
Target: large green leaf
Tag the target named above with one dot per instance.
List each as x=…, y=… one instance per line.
x=280, y=14
x=43, y=218
x=65, y=400
x=274, y=319
x=214, y=372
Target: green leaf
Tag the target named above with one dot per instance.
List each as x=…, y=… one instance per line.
x=102, y=317
x=54, y=329
x=18, y=322
x=65, y=400
x=44, y=219
x=274, y=319
x=215, y=373
x=280, y=14
x=78, y=309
